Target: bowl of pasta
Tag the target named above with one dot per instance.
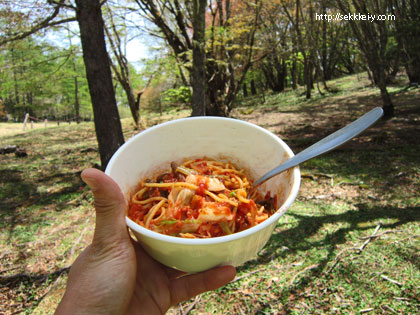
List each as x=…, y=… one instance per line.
x=191, y=203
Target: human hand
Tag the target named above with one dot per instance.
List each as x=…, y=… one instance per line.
x=114, y=275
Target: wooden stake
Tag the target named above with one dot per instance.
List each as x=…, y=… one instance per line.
x=25, y=121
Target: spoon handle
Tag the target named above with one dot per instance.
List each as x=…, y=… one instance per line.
x=327, y=144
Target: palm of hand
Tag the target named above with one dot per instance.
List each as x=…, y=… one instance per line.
x=124, y=277
x=151, y=293
x=158, y=287
x=114, y=275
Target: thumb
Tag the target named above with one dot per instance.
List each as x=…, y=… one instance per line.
x=110, y=207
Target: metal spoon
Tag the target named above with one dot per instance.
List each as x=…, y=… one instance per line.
x=327, y=144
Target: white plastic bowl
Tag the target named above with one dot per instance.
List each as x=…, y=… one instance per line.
x=246, y=145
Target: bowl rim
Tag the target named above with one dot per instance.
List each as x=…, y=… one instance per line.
x=220, y=239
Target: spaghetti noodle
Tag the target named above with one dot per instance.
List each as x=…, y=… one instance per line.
x=200, y=198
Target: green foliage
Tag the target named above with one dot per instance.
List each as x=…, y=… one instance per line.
x=39, y=78
x=163, y=69
x=181, y=95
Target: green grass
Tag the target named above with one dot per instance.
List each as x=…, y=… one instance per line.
x=322, y=257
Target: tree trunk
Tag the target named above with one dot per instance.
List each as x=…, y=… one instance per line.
x=253, y=87
x=221, y=83
x=281, y=75
x=372, y=39
x=245, y=90
x=198, y=75
x=387, y=105
x=307, y=75
x=412, y=68
x=122, y=69
x=125, y=82
x=76, y=99
x=134, y=106
x=407, y=33
x=107, y=121
x=275, y=70
x=217, y=109
x=294, y=73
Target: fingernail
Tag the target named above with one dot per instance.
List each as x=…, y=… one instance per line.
x=90, y=181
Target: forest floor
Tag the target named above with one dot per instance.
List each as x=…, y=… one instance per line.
x=350, y=244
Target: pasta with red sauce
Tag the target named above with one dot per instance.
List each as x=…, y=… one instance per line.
x=200, y=198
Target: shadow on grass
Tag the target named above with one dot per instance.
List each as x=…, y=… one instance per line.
x=20, y=205
x=358, y=220
x=25, y=286
x=293, y=240
x=332, y=114
x=21, y=200
x=19, y=190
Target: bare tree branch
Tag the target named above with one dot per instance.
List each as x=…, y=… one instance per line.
x=49, y=21
x=40, y=26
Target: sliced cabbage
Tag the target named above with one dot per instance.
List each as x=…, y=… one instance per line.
x=212, y=183
x=215, y=212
